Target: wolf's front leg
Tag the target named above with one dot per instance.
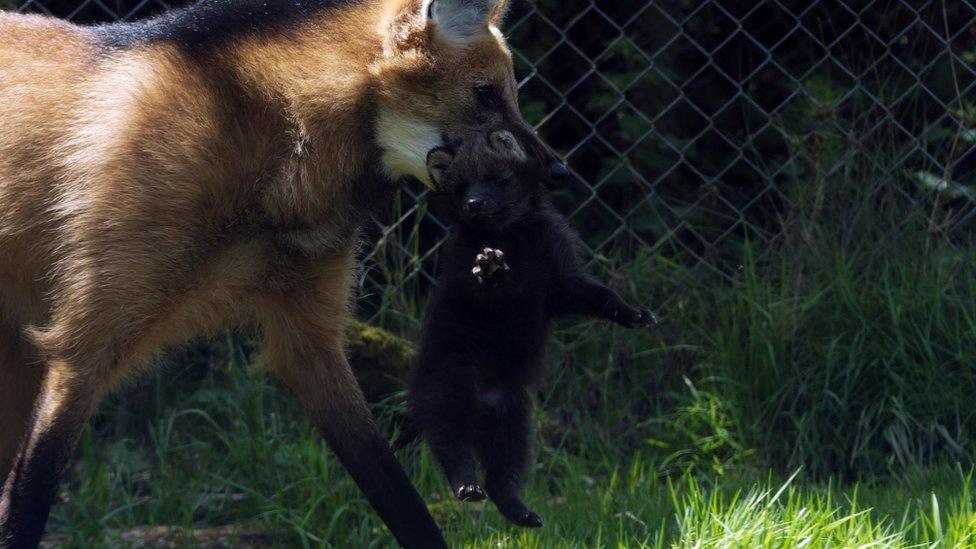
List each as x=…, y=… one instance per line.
x=304, y=332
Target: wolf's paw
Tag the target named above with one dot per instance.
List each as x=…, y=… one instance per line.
x=489, y=265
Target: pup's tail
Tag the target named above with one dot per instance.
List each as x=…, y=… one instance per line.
x=409, y=435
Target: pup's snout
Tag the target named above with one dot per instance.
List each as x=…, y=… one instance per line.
x=473, y=206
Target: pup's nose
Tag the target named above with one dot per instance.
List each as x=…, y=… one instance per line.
x=558, y=172
x=473, y=205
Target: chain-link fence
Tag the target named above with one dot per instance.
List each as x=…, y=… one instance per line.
x=690, y=125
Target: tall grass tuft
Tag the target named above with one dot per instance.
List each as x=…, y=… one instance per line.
x=847, y=346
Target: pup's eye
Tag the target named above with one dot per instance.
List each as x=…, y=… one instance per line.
x=503, y=179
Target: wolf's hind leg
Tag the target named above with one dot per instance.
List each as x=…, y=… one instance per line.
x=20, y=382
x=68, y=395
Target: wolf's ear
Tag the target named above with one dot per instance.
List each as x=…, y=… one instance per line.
x=505, y=144
x=438, y=161
x=458, y=21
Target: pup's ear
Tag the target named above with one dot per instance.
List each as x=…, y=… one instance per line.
x=458, y=21
x=438, y=161
x=505, y=144
x=558, y=173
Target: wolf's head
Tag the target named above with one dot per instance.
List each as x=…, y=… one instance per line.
x=446, y=71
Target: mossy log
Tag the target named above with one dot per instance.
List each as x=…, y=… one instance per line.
x=380, y=359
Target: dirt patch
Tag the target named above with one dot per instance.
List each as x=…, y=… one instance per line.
x=167, y=537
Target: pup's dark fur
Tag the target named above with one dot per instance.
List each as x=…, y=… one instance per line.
x=510, y=267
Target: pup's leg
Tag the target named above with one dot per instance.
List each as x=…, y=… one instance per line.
x=443, y=401
x=583, y=295
x=505, y=450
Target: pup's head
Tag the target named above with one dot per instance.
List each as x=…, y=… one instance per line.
x=446, y=70
x=490, y=182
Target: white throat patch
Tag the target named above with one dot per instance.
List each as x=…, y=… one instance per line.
x=405, y=141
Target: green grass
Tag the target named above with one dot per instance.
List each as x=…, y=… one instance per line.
x=628, y=465
x=821, y=398
x=237, y=435
x=243, y=438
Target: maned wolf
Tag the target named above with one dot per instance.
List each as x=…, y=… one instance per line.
x=209, y=168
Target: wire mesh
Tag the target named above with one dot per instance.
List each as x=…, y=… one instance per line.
x=689, y=126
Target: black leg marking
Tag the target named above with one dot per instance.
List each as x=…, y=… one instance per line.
x=33, y=482
x=336, y=406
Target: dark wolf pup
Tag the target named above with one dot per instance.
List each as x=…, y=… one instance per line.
x=510, y=267
x=206, y=169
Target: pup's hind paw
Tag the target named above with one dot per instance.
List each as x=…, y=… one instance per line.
x=528, y=519
x=470, y=492
x=489, y=265
x=522, y=517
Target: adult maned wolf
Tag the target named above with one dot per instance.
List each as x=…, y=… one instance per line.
x=211, y=168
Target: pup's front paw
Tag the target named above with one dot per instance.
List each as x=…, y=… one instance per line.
x=489, y=265
x=637, y=318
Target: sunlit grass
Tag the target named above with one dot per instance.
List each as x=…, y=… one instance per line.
x=270, y=470
x=237, y=450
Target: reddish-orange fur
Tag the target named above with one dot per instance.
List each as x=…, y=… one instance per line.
x=147, y=198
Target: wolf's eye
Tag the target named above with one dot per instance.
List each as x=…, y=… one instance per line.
x=487, y=95
x=484, y=90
